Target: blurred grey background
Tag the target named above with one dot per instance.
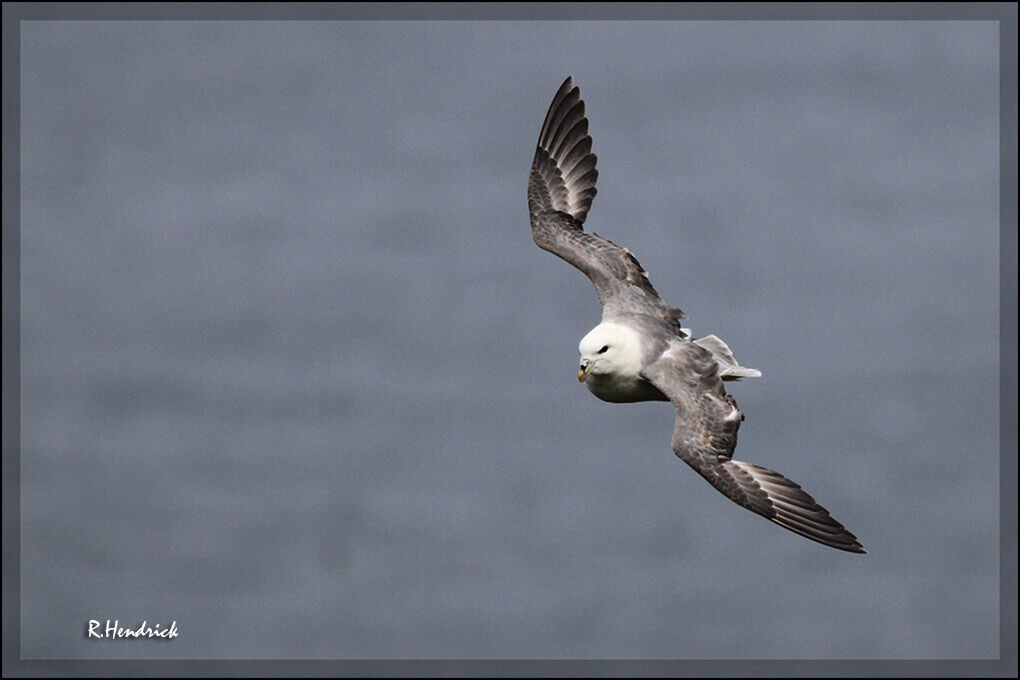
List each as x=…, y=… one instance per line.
x=295, y=376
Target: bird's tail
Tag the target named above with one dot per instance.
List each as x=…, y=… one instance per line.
x=729, y=369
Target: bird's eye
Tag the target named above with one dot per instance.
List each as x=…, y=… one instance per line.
x=604, y=349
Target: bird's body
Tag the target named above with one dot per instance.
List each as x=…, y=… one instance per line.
x=640, y=352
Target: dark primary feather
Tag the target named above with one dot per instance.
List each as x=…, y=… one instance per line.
x=560, y=191
x=705, y=436
x=563, y=173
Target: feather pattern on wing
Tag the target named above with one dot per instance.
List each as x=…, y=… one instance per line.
x=560, y=191
x=705, y=435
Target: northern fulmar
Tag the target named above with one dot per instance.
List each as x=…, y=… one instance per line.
x=640, y=351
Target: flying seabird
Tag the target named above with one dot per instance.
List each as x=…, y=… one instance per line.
x=640, y=351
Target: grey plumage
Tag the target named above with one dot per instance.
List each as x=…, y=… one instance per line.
x=640, y=352
x=560, y=192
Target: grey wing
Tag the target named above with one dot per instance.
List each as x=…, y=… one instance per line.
x=705, y=435
x=560, y=191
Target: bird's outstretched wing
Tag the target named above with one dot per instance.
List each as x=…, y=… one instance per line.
x=560, y=190
x=707, y=420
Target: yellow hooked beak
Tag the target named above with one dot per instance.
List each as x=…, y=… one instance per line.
x=586, y=368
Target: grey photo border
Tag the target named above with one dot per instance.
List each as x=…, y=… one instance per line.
x=1005, y=13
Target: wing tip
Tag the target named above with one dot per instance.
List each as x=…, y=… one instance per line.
x=564, y=170
x=844, y=540
x=792, y=508
x=855, y=548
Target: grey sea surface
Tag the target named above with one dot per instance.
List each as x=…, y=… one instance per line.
x=295, y=376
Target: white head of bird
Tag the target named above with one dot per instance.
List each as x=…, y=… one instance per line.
x=610, y=350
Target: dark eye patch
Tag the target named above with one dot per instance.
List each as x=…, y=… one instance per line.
x=604, y=349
